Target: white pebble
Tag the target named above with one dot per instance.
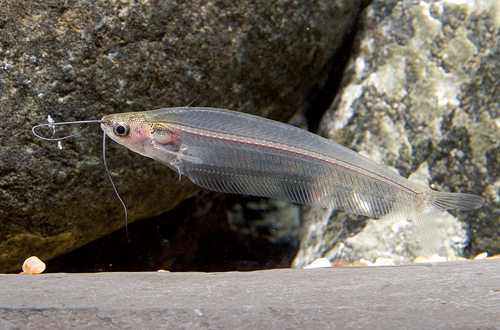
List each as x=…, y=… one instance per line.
x=481, y=256
x=366, y=262
x=384, y=262
x=431, y=259
x=319, y=263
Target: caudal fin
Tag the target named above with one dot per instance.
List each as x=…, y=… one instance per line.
x=429, y=208
x=450, y=201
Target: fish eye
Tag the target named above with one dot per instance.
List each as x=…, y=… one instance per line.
x=121, y=129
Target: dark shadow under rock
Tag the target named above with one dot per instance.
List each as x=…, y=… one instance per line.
x=195, y=236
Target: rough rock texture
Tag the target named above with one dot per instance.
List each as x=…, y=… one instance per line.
x=75, y=60
x=459, y=295
x=421, y=95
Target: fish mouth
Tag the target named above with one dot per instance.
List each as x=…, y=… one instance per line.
x=106, y=124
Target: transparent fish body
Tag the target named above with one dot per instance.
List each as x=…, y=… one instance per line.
x=233, y=152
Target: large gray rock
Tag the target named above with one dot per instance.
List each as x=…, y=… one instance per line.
x=75, y=60
x=460, y=295
x=421, y=95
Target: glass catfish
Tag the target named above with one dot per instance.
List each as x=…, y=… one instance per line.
x=233, y=152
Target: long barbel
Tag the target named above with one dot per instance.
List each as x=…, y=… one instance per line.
x=232, y=152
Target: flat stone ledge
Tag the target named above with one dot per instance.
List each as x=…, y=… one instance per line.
x=454, y=295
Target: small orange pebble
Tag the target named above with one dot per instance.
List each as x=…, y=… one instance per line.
x=33, y=265
x=162, y=271
x=419, y=260
x=361, y=262
x=456, y=258
x=496, y=256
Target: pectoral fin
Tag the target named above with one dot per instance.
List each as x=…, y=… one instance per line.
x=169, y=153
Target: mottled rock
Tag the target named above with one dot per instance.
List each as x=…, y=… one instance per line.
x=75, y=60
x=420, y=94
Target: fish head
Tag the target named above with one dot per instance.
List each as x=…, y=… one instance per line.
x=140, y=133
x=131, y=130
